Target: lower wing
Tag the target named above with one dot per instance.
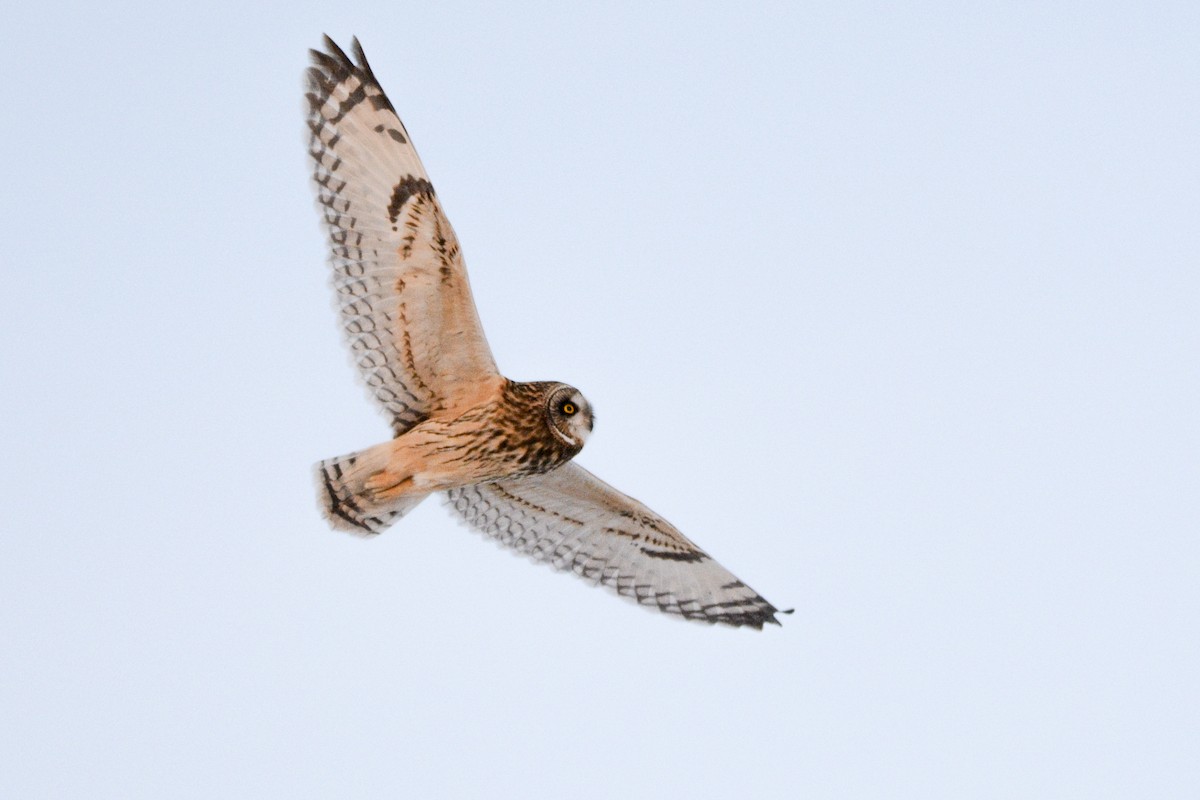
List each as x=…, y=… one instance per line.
x=572, y=520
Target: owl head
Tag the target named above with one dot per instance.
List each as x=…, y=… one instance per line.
x=569, y=414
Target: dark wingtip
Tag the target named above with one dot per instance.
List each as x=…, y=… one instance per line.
x=324, y=59
x=771, y=618
x=333, y=65
x=334, y=50
x=361, y=58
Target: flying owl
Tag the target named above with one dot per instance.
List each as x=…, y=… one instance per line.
x=500, y=451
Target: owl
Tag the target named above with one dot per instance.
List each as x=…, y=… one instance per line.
x=498, y=451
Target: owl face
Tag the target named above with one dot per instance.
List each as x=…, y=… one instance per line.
x=569, y=414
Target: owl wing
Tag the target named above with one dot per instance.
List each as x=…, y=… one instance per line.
x=572, y=520
x=402, y=289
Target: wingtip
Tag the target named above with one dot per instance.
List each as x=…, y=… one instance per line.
x=361, y=57
x=334, y=50
x=773, y=620
x=332, y=58
x=333, y=61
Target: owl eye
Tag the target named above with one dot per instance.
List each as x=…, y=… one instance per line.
x=568, y=408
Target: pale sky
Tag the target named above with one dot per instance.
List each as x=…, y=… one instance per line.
x=894, y=310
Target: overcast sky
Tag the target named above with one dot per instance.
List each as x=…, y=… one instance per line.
x=894, y=310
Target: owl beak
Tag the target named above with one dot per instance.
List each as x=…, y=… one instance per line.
x=591, y=420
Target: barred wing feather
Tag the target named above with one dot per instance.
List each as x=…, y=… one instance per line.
x=572, y=520
x=402, y=289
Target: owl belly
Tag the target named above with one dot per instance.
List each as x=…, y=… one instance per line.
x=437, y=455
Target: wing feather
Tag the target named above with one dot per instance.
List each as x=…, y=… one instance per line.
x=400, y=279
x=573, y=521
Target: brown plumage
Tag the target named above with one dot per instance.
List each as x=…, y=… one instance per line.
x=516, y=429
x=500, y=450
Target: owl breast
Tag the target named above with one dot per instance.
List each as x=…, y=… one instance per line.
x=508, y=436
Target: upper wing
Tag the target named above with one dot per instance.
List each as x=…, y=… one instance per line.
x=401, y=283
x=571, y=519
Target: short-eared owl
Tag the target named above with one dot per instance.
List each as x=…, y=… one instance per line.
x=500, y=450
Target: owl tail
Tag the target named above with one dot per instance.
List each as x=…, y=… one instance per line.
x=345, y=500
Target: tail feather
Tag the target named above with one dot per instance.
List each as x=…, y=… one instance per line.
x=344, y=500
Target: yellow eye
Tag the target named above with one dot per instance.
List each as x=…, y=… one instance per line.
x=568, y=408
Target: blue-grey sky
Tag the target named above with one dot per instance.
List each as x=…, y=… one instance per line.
x=893, y=309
